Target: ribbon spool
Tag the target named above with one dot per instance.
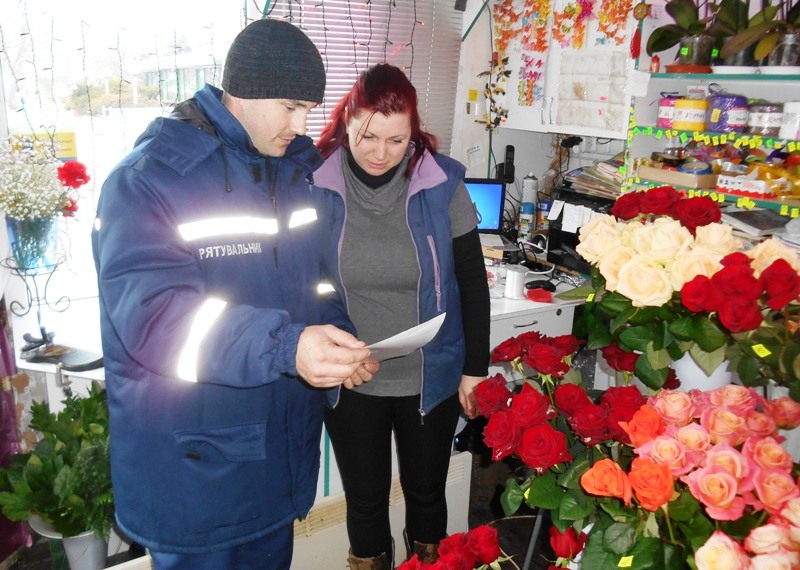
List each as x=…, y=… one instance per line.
x=666, y=110
x=790, y=122
x=726, y=113
x=696, y=167
x=690, y=114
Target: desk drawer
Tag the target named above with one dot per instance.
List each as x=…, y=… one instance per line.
x=553, y=322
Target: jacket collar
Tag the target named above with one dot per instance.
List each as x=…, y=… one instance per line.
x=426, y=174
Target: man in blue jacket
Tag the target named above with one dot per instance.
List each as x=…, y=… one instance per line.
x=213, y=315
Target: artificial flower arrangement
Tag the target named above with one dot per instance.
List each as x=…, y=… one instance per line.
x=669, y=279
x=669, y=481
x=478, y=549
x=34, y=183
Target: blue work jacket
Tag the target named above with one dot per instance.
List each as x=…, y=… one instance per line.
x=431, y=188
x=208, y=266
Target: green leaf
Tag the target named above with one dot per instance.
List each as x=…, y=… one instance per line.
x=512, y=497
x=708, y=335
x=544, y=492
x=581, y=292
x=748, y=37
x=682, y=328
x=614, y=303
x=684, y=507
x=707, y=361
x=650, y=377
x=575, y=505
x=637, y=338
x=571, y=478
x=658, y=359
x=595, y=557
x=684, y=12
x=619, y=538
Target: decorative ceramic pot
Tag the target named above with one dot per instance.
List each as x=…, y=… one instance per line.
x=34, y=243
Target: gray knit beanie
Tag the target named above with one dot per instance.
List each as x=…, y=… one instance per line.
x=271, y=59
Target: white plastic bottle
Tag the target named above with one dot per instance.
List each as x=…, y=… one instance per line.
x=527, y=214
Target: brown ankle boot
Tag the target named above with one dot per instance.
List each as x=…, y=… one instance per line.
x=376, y=563
x=427, y=553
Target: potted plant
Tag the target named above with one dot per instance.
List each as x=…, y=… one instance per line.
x=694, y=33
x=65, y=480
x=770, y=31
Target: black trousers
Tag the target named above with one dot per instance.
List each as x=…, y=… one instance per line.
x=360, y=428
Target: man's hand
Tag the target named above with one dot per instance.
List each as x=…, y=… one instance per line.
x=466, y=395
x=327, y=356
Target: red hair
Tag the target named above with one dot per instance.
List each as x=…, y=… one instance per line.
x=383, y=89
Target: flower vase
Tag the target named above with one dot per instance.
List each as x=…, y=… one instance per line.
x=693, y=377
x=85, y=551
x=34, y=243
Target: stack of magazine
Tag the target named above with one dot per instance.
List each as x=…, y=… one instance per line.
x=603, y=179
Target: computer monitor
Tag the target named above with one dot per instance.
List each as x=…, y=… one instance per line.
x=489, y=197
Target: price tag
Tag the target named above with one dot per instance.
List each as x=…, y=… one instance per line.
x=784, y=210
x=625, y=562
x=792, y=146
x=795, y=212
x=590, y=298
x=761, y=350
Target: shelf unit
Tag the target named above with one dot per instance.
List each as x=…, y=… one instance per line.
x=644, y=138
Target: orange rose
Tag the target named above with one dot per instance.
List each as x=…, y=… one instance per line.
x=652, y=483
x=607, y=479
x=645, y=425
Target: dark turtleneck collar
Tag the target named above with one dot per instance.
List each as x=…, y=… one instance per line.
x=367, y=178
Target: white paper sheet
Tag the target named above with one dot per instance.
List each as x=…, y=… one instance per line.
x=407, y=341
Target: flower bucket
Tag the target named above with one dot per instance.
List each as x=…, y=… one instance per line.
x=692, y=376
x=34, y=243
x=85, y=551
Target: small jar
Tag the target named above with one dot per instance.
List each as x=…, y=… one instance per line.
x=764, y=118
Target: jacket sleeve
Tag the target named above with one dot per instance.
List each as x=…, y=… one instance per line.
x=152, y=290
x=475, y=304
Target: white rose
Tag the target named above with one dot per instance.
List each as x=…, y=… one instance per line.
x=718, y=238
x=768, y=251
x=662, y=241
x=698, y=261
x=644, y=282
x=597, y=237
x=626, y=231
x=612, y=262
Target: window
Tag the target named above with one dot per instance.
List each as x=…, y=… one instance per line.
x=103, y=72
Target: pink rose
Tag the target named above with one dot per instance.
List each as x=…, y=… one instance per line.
x=767, y=538
x=761, y=425
x=784, y=410
x=724, y=426
x=730, y=459
x=721, y=552
x=791, y=511
x=774, y=488
x=738, y=399
x=780, y=560
x=768, y=453
x=717, y=489
x=696, y=440
x=675, y=408
x=667, y=451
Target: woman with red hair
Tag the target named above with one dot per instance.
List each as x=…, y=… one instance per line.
x=408, y=250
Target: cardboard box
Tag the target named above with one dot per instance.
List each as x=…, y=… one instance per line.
x=677, y=178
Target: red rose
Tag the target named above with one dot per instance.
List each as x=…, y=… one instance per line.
x=482, y=542
x=73, y=174
x=452, y=561
x=698, y=211
x=781, y=283
x=507, y=350
x=622, y=397
x=672, y=382
x=736, y=258
x=590, y=423
x=660, y=201
x=529, y=338
x=543, y=446
x=616, y=415
x=698, y=295
x=570, y=397
x=566, y=545
x=546, y=359
x=737, y=281
x=567, y=343
x=492, y=395
x=501, y=434
x=412, y=563
x=530, y=408
x=739, y=314
x=619, y=359
x=627, y=206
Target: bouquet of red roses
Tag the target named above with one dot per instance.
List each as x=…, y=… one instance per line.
x=476, y=549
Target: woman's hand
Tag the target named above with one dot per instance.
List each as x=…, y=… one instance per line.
x=466, y=395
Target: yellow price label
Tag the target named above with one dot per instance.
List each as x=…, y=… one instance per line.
x=795, y=212
x=473, y=95
x=590, y=298
x=723, y=139
x=784, y=210
x=761, y=350
x=792, y=146
x=625, y=562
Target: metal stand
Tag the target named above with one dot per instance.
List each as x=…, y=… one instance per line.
x=35, y=296
x=537, y=527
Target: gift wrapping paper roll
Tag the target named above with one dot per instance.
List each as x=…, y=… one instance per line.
x=690, y=114
x=726, y=113
x=666, y=111
x=790, y=122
